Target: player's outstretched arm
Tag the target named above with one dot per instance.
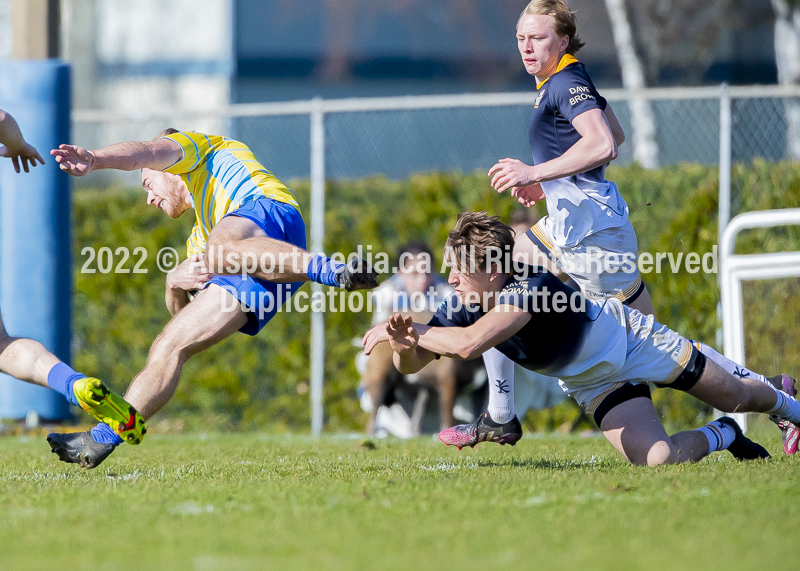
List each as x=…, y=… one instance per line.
x=470, y=342
x=157, y=155
x=13, y=145
x=400, y=332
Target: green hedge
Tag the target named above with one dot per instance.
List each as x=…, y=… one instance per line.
x=263, y=381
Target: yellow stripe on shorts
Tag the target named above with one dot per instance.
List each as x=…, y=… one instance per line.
x=682, y=361
x=540, y=232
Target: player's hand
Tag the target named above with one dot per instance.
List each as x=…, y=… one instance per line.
x=190, y=275
x=74, y=160
x=27, y=155
x=373, y=337
x=508, y=173
x=529, y=194
x=402, y=335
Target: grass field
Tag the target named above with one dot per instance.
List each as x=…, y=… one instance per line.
x=255, y=501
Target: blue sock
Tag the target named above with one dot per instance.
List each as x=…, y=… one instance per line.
x=61, y=378
x=323, y=270
x=718, y=434
x=102, y=433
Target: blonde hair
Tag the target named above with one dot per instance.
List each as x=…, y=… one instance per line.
x=565, y=22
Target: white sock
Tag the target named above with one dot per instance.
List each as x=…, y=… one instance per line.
x=500, y=371
x=718, y=434
x=728, y=365
x=786, y=407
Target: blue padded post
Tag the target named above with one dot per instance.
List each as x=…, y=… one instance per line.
x=35, y=235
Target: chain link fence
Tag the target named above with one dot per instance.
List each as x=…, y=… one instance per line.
x=401, y=136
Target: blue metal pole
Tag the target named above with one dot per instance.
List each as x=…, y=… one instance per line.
x=35, y=236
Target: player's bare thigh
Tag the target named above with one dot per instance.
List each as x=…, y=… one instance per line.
x=233, y=229
x=527, y=252
x=237, y=242
x=213, y=315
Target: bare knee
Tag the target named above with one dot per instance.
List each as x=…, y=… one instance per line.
x=26, y=359
x=662, y=452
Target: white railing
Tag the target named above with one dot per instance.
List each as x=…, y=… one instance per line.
x=736, y=268
x=318, y=110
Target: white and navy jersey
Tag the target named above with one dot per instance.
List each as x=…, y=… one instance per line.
x=581, y=204
x=560, y=319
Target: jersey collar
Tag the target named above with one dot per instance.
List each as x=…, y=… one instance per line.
x=566, y=60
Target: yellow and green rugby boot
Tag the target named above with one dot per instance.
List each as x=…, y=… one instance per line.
x=107, y=406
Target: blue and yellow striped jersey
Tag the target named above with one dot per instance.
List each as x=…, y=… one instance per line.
x=221, y=175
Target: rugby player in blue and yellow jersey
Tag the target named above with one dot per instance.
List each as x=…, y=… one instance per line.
x=586, y=234
x=244, y=218
x=603, y=352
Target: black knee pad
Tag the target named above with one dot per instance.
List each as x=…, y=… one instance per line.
x=635, y=295
x=690, y=374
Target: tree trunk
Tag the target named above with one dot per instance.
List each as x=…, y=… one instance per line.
x=645, y=149
x=787, y=58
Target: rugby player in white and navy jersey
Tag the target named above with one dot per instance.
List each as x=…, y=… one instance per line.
x=603, y=352
x=586, y=235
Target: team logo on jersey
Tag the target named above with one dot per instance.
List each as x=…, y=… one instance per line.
x=538, y=99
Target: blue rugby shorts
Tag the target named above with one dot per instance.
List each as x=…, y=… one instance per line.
x=263, y=298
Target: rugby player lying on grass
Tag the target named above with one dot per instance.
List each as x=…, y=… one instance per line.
x=245, y=217
x=604, y=353
x=30, y=361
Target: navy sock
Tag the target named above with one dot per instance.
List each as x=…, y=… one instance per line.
x=61, y=378
x=323, y=270
x=102, y=433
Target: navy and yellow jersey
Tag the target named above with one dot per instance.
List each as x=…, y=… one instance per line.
x=581, y=204
x=221, y=174
x=560, y=319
